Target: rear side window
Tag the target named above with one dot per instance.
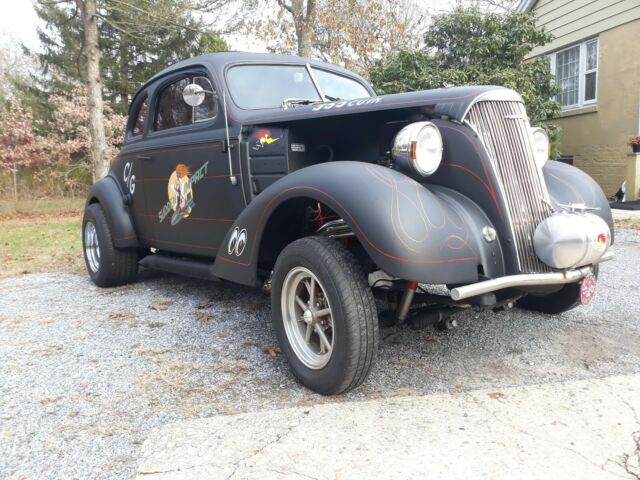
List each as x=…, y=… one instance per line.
x=140, y=118
x=173, y=112
x=338, y=87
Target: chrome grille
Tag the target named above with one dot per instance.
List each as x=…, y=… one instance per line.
x=503, y=127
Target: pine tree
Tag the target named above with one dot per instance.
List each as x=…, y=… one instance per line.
x=113, y=46
x=137, y=40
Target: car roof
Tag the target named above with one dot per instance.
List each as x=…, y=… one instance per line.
x=220, y=60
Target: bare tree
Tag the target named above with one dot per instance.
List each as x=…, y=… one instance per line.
x=93, y=85
x=490, y=5
x=352, y=33
x=304, y=13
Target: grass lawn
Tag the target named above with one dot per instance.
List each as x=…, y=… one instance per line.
x=40, y=236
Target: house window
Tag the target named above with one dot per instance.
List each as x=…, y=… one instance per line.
x=576, y=72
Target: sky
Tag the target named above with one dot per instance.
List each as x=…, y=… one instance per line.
x=18, y=22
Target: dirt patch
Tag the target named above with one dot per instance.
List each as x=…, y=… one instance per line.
x=593, y=345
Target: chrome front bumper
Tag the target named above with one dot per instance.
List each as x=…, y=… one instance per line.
x=525, y=280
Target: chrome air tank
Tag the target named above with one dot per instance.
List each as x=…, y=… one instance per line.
x=571, y=239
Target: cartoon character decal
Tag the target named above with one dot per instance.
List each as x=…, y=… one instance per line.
x=263, y=138
x=180, y=191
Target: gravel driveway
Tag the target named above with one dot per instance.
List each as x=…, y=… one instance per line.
x=85, y=373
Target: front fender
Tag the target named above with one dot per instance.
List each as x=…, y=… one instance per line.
x=410, y=230
x=107, y=192
x=567, y=184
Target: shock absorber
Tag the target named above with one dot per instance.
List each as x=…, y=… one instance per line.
x=405, y=302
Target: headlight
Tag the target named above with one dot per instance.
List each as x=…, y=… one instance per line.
x=540, y=145
x=418, y=147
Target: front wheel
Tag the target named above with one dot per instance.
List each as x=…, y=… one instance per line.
x=324, y=315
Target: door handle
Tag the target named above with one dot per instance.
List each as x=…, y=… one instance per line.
x=143, y=157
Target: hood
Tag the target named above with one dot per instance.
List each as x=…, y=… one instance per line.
x=451, y=102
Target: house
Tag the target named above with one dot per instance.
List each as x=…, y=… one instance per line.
x=596, y=61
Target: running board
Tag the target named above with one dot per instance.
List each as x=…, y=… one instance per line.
x=187, y=266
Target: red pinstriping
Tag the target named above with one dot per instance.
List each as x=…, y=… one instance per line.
x=364, y=235
x=395, y=201
x=166, y=179
x=214, y=144
x=470, y=172
x=487, y=185
x=125, y=238
x=204, y=219
x=155, y=240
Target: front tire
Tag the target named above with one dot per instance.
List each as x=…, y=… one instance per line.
x=324, y=315
x=107, y=265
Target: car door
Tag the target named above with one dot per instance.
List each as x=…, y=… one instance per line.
x=191, y=200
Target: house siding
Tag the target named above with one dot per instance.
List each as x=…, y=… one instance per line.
x=597, y=139
x=571, y=21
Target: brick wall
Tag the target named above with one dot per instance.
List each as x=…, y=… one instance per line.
x=597, y=136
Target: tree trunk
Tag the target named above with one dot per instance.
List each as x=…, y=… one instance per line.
x=305, y=27
x=93, y=55
x=15, y=185
x=123, y=74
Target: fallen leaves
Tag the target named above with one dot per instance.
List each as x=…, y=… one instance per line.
x=496, y=395
x=272, y=351
x=249, y=343
x=118, y=315
x=161, y=306
x=203, y=316
x=405, y=362
x=202, y=306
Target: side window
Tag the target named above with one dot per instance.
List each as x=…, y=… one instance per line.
x=173, y=112
x=137, y=129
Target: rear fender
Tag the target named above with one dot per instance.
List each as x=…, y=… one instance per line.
x=107, y=193
x=409, y=230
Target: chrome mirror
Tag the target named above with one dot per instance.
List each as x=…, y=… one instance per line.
x=193, y=94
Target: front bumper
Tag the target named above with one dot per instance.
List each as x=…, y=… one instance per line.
x=526, y=280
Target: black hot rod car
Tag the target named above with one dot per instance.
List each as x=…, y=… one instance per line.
x=291, y=174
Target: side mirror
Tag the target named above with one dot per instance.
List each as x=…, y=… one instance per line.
x=193, y=94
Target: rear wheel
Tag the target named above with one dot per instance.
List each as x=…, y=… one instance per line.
x=324, y=315
x=107, y=265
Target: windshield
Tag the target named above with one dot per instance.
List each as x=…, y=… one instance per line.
x=337, y=87
x=267, y=86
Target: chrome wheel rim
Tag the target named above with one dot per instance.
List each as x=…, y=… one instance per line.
x=91, y=246
x=307, y=317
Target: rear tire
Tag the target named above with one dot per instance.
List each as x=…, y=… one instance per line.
x=565, y=299
x=342, y=310
x=107, y=265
